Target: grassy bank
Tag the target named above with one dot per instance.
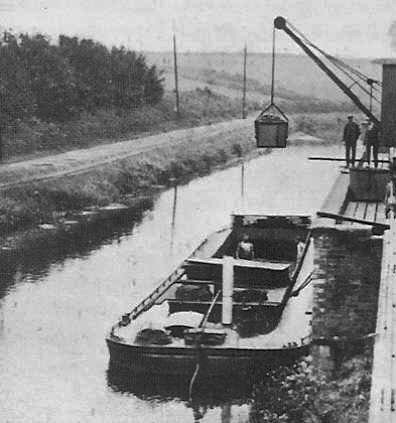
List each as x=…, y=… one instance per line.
x=333, y=389
x=328, y=126
x=128, y=179
x=198, y=107
x=300, y=394
x=122, y=181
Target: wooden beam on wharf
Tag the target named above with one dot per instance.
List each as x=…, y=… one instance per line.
x=342, y=217
x=339, y=159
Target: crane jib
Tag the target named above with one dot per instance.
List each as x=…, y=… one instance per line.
x=281, y=23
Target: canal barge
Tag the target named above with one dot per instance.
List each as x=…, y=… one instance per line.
x=224, y=314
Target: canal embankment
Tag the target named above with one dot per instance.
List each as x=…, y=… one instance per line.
x=348, y=268
x=59, y=299
x=84, y=187
x=42, y=191
x=333, y=383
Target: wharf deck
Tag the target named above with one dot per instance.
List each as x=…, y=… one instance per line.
x=340, y=209
x=339, y=206
x=383, y=381
x=365, y=212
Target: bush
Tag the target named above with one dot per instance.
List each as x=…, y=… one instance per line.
x=300, y=394
x=306, y=125
x=237, y=150
x=58, y=82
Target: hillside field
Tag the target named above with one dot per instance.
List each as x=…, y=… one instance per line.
x=295, y=74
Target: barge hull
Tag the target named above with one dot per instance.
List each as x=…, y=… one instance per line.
x=214, y=362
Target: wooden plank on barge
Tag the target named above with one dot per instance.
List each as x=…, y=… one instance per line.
x=251, y=264
x=190, y=304
x=246, y=272
x=218, y=283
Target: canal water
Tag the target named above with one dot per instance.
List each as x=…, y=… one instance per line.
x=57, y=303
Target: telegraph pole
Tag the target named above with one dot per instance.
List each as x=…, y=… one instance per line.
x=244, y=83
x=176, y=76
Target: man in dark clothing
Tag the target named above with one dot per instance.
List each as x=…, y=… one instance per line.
x=372, y=140
x=351, y=134
x=245, y=249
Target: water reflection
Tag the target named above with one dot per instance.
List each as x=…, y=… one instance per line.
x=209, y=394
x=58, y=299
x=173, y=220
x=212, y=391
x=33, y=261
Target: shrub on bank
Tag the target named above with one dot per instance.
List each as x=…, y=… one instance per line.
x=122, y=181
x=199, y=107
x=300, y=394
x=328, y=126
x=111, y=125
x=131, y=177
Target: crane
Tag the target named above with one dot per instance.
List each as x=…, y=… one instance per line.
x=281, y=23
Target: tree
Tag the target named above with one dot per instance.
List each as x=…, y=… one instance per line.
x=118, y=77
x=153, y=86
x=16, y=97
x=52, y=79
x=58, y=82
x=92, y=68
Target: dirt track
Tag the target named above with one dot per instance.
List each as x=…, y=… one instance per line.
x=83, y=160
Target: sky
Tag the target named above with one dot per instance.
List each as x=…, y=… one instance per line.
x=358, y=28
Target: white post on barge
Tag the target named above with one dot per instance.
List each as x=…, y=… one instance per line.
x=228, y=288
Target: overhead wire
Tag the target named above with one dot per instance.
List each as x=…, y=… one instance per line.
x=332, y=58
x=327, y=55
x=339, y=64
x=357, y=72
x=362, y=87
x=273, y=67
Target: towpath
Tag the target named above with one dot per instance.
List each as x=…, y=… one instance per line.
x=82, y=160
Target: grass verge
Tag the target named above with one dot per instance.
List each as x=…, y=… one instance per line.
x=129, y=178
x=199, y=107
x=122, y=181
x=335, y=388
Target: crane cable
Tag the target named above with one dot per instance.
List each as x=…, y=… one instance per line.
x=363, y=88
x=354, y=71
x=358, y=73
x=342, y=66
x=273, y=67
x=339, y=64
x=335, y=61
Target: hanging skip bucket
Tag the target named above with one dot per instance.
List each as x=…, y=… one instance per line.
x=271, y=128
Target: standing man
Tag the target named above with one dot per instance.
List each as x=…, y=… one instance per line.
x=372, y=140
x=351, y=134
